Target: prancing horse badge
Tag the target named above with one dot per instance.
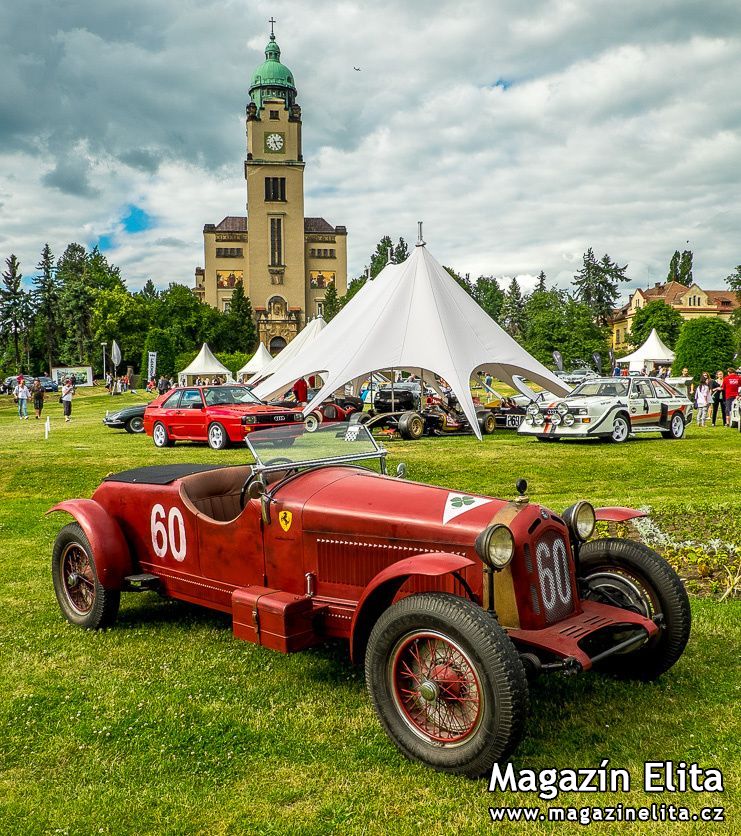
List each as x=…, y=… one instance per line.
x=285, y=518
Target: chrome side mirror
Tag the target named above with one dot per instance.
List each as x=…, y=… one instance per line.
x=256, y=489
x=401, y=471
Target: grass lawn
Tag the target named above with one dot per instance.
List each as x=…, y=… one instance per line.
x=168, y=724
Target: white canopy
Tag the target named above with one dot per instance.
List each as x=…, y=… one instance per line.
x=204, y=364
x=414, y=317
x=651, y=352
x=256, y=363
x=304, y=338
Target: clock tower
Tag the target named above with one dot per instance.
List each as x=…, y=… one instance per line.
x=284, y=260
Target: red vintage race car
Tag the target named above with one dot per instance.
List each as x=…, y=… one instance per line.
x=450, y=600
x=220, y=415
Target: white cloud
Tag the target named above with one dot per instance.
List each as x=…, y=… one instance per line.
x=619, y=129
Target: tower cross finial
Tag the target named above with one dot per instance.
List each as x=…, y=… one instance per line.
x=272, y=22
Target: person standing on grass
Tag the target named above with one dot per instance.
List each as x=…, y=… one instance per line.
x=37, y=391
x=21, y=394
x=716, y=387
x=730, y=387
x=68, y=390
x=703, y=398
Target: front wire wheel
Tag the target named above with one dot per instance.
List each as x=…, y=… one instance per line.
x=81, y=597
x=446, y=683
x=635, y=578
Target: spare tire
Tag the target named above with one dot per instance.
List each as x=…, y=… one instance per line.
x=411, y=426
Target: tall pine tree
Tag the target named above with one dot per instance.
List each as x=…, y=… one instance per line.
x=77, y=300
x=540, y=285
x=331, y=303
x=512, y=317
x=685, y=269
x=242, y=325
x=48, y=289
x=673, y=274
x=12, y=306
x=597, y=285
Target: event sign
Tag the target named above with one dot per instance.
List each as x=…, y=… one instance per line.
x=80, y=375
x=151, y=364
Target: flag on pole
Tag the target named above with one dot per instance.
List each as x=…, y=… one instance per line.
x=115, y=353
x=151, y=364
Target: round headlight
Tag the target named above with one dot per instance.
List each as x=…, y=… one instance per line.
x=562, y=409
x=555, y=420
x=539, y=419
x=568, y=419
x=580, y=519
x=529, y=419
x=533, y=409
x=496, y=546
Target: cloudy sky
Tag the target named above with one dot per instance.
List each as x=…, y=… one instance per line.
x=521, y=133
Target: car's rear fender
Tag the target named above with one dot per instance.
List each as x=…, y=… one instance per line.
x=110, y=551
x=617, y=513
x=380, y=592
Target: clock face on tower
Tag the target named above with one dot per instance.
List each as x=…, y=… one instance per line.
x=274, y=142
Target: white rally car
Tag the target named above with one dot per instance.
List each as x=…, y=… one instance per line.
x=611, y=408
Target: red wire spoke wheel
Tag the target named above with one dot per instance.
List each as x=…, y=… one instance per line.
x=435, y=687
x=83, y=600
x=446, y=683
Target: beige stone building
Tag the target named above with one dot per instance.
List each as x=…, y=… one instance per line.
x=285, y=260
x=690, y=302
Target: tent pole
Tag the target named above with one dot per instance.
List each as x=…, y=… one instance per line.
x=393, y=403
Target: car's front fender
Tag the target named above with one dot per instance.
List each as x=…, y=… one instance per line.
x=617, y=513
x=380, y=592
x=110, y=551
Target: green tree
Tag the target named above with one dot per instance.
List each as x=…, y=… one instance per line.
x=597, y=285
x=121, y=316
x=149, y=291
x=657, y=314
x=401, y=251
x=512, y=317
x=540, y=286
x=331, y=303
x=380, y=256
x=12, y=306
x=241, y=321
x=159, y=340
x=48, y=290
x=734, y=282
x=545, y=325
x=463, y=281
x=673, y=274
x=685, y=269
x=705, y=344
x=489, y=295
x=101, y=275
x=76, y=304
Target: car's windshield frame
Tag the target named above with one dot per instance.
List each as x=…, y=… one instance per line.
x=581, y=391
x=251, y=398
x=352, y=433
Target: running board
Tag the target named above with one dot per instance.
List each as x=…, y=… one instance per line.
x=140, y=583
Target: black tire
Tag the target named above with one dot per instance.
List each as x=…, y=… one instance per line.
x=217, y=436
x=634, y=577
x=313, y=420
x=135, y=424
x=465, y=649
x=620, y=429
x=160, y=436
x=82, y=599
x=411, y=426
x=487, y=421
x=676, y=427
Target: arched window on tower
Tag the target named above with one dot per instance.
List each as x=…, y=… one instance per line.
x=277, y=308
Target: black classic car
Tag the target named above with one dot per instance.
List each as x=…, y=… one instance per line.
x=130, y=418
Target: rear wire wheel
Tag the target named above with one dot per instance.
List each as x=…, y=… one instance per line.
x=446, y=683
x=81, y=597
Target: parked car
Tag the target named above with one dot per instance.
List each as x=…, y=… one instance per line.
x=399, y=397
x=130, y=418
x=611, y=408
x=48, y=384
x=7, y=386
x=338, y=407
x=219, y=415
x=448, y=599
x=578, y=374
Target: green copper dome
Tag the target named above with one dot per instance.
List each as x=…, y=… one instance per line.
x=272, y=79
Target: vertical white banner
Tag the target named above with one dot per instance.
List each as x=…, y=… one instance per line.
x=151, y=364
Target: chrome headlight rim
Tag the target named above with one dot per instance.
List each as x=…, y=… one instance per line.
x=562, y=409
x=581, y=520
x=533, y=409
x=556, y=420
x=495, y=546
x=568, y=420
x=539, y=420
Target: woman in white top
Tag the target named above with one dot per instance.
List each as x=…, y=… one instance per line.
x=703, y=399
x=68, y=390
x=22, y=393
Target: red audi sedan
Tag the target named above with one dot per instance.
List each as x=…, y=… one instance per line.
x=220, y=415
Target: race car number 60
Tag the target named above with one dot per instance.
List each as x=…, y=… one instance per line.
x=172, y=536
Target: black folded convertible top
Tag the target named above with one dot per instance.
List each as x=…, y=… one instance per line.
x=161, y=474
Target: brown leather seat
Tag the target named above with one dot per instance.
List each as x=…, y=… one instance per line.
x=215, y=493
